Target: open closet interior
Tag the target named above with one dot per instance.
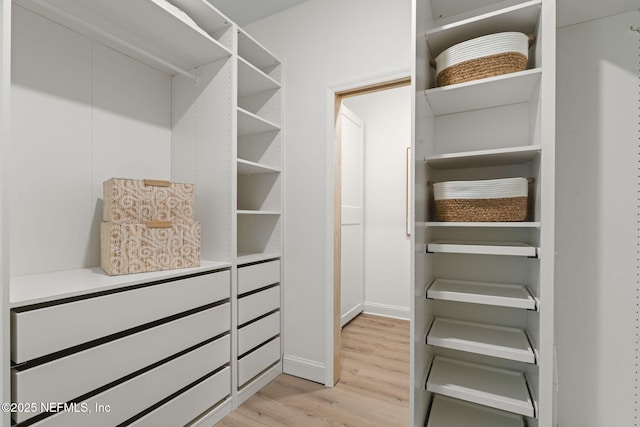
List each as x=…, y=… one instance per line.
x=169, y=90
x=483, y=297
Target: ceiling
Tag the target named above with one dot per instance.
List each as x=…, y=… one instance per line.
x=570, y=12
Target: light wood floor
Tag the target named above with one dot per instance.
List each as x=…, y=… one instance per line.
x=373, y=389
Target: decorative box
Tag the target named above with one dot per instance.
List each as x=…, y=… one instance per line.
x=483, y=57
x=148, y=226
x=489, y=200
x=137, y=201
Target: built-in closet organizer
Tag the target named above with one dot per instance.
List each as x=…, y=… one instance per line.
x=259, y=216
x=483, y=309
x=157, y=89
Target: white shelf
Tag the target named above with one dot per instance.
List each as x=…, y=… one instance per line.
x=494, y=387
x=480, y=338
x=205, y=15
x=522, y=18
x=245, y=167
x=252, y=80
x=251, y=212
x=481, y=224
x=250, y=257
x=254, y=52
x=484, y=158
x=499, y=294
x=250, y=124
x=506, y=89
x=482, y=248
x=448, y=412
x=151, y=31
x=47, y=287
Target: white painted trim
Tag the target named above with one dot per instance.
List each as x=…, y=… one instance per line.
x=216, y=414
x=351, y=314
x=304, y=368
x=329, y=123
x=385, y=310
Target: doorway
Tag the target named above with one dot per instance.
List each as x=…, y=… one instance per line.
x=371, y=136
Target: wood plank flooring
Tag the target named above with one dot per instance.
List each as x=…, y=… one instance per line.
x=373, y=389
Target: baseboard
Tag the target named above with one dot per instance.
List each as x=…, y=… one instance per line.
x=303, y=368
x=351, y=314
x=385, y=310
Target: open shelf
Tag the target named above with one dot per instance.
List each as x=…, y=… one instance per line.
x=499, y=294
x=46, y=287
x=151, y=31
x=252, y=80
x=494, y=387
x=254, y=52
x=522, y=18
x=448, y=412
x=481, y=224
x=505, y=89
x=205, y=15
x=250, y=257
x=252, y=212
x=480, y=338
x=484, y=158
x=482, y=248
x=245, y=167
x=251, y=124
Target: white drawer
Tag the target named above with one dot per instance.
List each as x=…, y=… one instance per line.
x=257, y=361
x=258, y=332
x=35, y=333
x=255, y=305
x=258, y=276
x=180, y=410
x=64, y=379
x=139, y=393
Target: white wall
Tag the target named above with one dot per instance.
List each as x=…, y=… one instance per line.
x=387, y=118
x=597, y=285
x=321, y=43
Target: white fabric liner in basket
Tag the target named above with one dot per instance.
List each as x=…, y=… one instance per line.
x=482, y=189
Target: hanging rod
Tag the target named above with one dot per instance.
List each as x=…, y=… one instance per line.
x=116, y=39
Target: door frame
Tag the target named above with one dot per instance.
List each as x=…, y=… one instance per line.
x=335, y=95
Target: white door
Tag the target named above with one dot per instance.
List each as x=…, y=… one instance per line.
x=352, y=226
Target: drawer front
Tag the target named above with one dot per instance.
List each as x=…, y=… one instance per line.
x=255, y=362
x=258, y=332
x=39, y=332
x=255, y=305
x=139, y=393
x=67, y=378
x=193, y=402
x=258, y=276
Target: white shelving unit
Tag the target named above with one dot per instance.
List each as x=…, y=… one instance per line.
x=490, y=340
x=120, y=89
x=502, y=389
x=482, y=323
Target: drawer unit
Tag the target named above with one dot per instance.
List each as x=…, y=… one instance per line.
x=258, y=276
x=180, y=410
x=38, y=332
x=254, y=334
x=139, y=393
x=257, y=361
x=255, y=305
x=64, y=379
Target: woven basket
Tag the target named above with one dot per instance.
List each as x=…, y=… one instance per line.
x=482, y=68
x=498, y=200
